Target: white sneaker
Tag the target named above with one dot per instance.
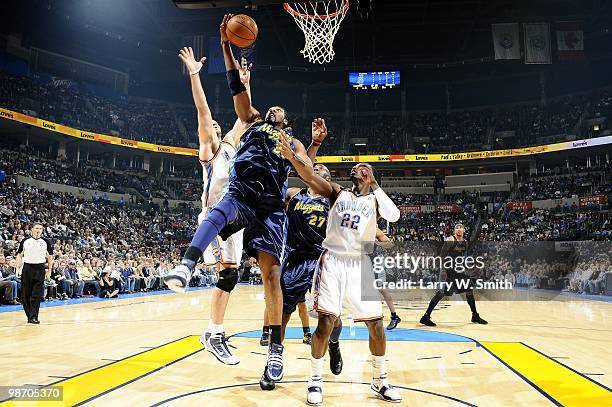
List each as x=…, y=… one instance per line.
x=385, y=391
x=315, y=392
x=178, y=279
x=217, y=345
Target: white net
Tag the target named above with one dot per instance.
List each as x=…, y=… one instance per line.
x=320, y=22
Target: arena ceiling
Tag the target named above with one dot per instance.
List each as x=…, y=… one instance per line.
x=396, y=31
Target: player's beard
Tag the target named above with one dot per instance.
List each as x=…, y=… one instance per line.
x=271, y=117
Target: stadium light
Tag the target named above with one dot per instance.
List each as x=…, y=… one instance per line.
x=360, y=144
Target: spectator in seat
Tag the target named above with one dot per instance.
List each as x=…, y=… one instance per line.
x=155, y=274
x=109, y=288
x=9, y=273
x=139, y=278
x=163, y=269
x=115, y=274
x=596, y=285
x=50, y=290
x=88, y=276
x=64, y=284
x=127, y=273
x=8, y=288
x=77, y=283
x=148, y=278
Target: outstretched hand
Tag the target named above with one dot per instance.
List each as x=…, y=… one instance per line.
x=367, y=176
x=193, y=66
x=223, y=27
x=319, y=130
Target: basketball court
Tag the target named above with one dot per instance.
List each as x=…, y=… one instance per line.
x=144, y=350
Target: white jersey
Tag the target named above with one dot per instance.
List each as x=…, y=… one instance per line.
x=351, y=222
x=216, y=174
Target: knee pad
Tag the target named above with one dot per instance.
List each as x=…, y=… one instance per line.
x=228, y=278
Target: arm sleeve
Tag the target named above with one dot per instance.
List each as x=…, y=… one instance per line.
x=386, y=207
x=49, y=246
x=20, y=250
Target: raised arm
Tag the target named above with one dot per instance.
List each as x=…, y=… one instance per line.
x=319, y=132
x=242, y=100
x=300, y=161
x=207, y=136
x=386, y=207
x=233, y=136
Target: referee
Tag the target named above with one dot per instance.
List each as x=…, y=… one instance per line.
x=33, y=251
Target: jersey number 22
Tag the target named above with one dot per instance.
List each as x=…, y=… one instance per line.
x=348, y=222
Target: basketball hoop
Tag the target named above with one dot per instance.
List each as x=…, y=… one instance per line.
x=320, y=22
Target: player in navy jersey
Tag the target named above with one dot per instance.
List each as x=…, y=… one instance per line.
x=307, y=216
x=254, y=200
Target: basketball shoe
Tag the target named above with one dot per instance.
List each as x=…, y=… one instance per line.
x=477, y=320
x=217, y=345
x=314, y=397
x=393, y=323
x=275, y=362
x=335, y=358
x=385, y=391
x=178, y=279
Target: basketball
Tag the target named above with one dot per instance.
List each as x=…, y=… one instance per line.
x=242, y=30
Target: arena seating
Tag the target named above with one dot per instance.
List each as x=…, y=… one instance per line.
x=137, y=242
x=175, y=124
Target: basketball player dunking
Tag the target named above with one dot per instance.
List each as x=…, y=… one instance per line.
x=253, y=199
x=351, y=222
x=454, y=246
x=215, y=154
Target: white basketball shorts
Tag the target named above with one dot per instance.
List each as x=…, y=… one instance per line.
x=219, y=251
x=337, y=282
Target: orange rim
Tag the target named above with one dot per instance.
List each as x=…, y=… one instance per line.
x=293, y=12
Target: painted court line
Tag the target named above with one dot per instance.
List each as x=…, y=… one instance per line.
x=559, y=383
x=94, y=383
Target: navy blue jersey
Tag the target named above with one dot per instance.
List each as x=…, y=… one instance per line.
x=307, y=216
x=258, y=170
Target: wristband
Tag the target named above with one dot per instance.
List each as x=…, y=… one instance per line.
x=233, y=81
x=316, y=143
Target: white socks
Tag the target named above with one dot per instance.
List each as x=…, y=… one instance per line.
x=378, y=368
x=316, y=368
x=214, y=328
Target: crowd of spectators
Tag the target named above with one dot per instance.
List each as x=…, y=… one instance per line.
x=174, y=124
x=545, y=186
x=430, y=226
x=96, y=243
x=546, y=224
x=25, y=161
x=531, y=121
x=105, y=249
x=57, y=101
